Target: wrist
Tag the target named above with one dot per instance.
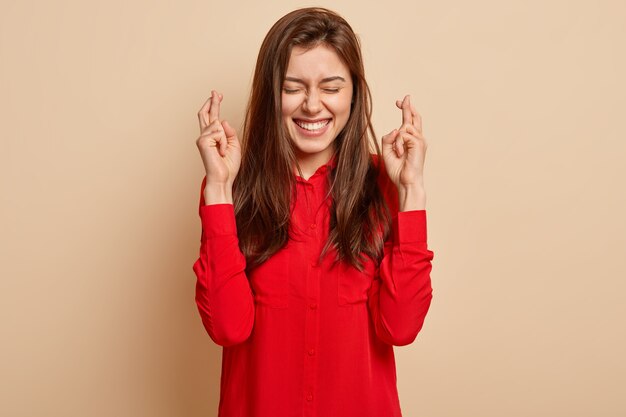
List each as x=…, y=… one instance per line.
x=218, y=194
x=411, y=197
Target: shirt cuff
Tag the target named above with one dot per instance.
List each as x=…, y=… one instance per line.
x=410, y=226
x=218, y=220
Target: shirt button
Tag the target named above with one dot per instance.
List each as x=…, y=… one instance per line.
x=309, y=397
x=313, y=306
x=311, y=352
x=313, y=226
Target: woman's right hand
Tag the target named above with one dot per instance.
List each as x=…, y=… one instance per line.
x=220, y=150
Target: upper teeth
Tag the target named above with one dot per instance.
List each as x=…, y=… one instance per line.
x=312, y=126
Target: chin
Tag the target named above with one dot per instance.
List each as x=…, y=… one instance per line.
x=309, y=150
x=311, y=145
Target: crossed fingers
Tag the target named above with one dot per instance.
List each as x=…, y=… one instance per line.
x=411, y=129
x=210, y=125
x=210, y=111
x=411, y=119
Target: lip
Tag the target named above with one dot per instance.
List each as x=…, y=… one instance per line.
x=311, y=120
x=310, y=133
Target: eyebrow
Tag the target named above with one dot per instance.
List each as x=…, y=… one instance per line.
x=325, y=80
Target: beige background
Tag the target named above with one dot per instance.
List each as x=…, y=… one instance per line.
x=523, y=105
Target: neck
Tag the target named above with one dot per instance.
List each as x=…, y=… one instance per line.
x=310, y=163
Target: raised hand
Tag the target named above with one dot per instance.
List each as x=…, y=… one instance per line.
x=220, y=150
x=404, y=150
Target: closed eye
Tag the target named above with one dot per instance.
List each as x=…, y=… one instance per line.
x=297, y=90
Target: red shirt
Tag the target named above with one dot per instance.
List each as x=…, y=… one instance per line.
x=302, y=338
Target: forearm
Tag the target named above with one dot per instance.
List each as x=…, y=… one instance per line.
x=412, y=197
x=218, y=193
x=401, y=297
x=223, y=294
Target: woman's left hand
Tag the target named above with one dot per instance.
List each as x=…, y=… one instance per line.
x=404, y=151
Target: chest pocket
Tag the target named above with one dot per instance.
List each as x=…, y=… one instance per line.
x=270, y=280
x=352, y=284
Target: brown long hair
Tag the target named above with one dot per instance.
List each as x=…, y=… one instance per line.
x=265, y=185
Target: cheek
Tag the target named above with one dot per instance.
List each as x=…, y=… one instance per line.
x=345, y=98
x=341, y=106
x=288, y=104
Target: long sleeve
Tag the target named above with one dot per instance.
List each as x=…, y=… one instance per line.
x=223, y=294
x=400, y=295
x=400, y=298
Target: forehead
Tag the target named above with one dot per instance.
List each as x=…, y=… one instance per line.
x=319, y=62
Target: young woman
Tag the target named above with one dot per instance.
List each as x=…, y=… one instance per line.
x=313, y=258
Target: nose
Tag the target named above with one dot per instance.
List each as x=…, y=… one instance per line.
x=312, y=103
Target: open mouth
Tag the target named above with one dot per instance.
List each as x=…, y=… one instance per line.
x=315, y=126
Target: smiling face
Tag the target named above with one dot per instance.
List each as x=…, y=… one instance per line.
x=316, y=99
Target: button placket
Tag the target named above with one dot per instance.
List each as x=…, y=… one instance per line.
x=311, y=331
x=313, y=224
